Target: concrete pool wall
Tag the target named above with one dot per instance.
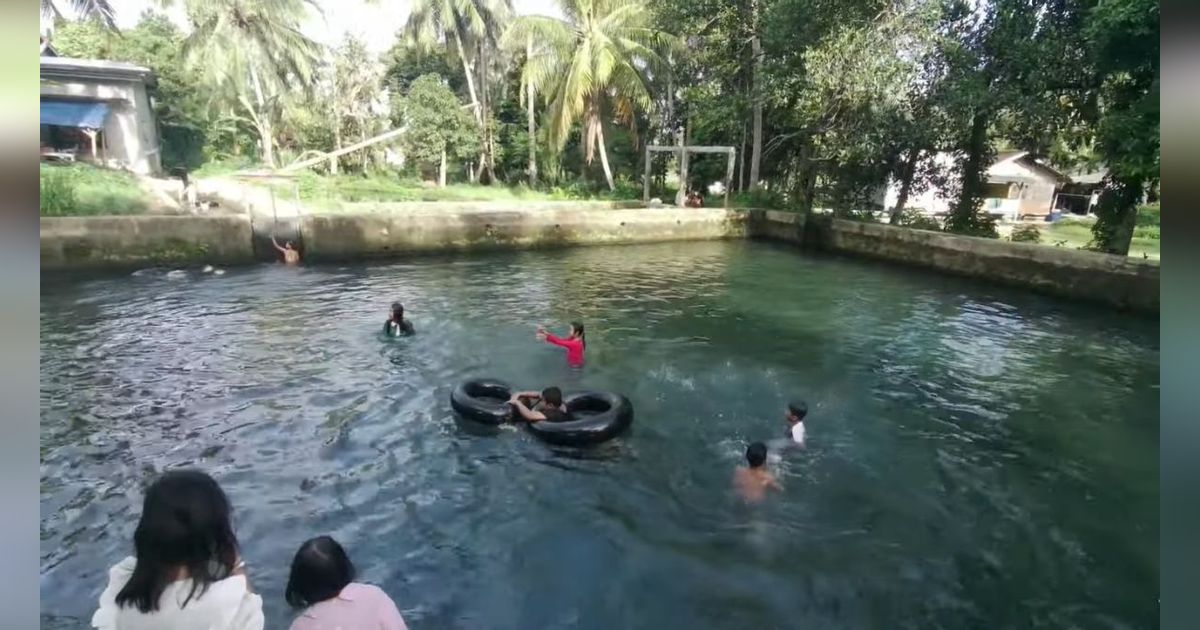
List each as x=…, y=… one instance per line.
x=88, y=242
x=1118, y=281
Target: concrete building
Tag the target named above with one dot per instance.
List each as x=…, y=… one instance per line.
x=98, y=111
x=1017, y=186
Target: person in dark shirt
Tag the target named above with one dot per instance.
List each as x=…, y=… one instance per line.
x=535, y=407
x=396, y=325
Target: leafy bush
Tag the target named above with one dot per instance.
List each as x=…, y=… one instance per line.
x=917, y=220
x=1026, y=234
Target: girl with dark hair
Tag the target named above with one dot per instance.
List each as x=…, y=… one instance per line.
x=187, y=573
x=396, y=325
x=575, y=342
x=322, y=584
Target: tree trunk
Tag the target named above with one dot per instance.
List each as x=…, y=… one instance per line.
x=684, y=158
x=263, y=117
x=808, y=180
x=965, y=218
x=906, y=179
x=532, y=131
x=1117, y=215
x=337, y=145
x=604, y=156
x=442, y=171
x=756, y=94
x=462, y=54
x=741, y=172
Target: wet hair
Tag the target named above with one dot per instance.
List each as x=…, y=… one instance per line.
x=320, y=570
x=184, y=524
x=756, y=454
x=397, y=311
x=578, y=328
x=552, y=396
x=798, y=408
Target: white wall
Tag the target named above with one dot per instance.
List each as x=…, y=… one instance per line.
x=130, y=131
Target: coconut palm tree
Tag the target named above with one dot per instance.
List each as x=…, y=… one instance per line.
x=90, y=9
x=472, y=28
x=252, y=53
x=590, y=66
x=458, y=23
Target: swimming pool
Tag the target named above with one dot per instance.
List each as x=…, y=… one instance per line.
x=977, y=457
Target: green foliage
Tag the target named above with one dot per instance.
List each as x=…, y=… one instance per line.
x=81, y=189
x=917, y=220
x=1026, y=233
x=1148, y=216
x=437, y=123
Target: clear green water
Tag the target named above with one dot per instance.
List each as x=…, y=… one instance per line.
x=977, y=457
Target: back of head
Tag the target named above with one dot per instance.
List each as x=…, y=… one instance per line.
x=185, y=523
x=320, y=570
x=756, y=454
x=798, y=408
x=552, y=396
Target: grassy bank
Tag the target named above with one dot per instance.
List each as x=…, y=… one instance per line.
x=1076, y=233
x=82, y=189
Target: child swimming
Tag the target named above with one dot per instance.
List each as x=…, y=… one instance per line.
x=575, y=342
x=396, y=325
x=752, y=481
x=795, y=419
x=290, y=255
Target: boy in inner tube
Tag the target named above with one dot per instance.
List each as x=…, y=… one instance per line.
x=536, y=407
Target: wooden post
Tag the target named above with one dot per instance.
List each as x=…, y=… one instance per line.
x=729, y=176
x=646, y=179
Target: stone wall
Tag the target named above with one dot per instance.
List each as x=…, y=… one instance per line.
x=340, y=236
x=122, y=241
x=1115, y=280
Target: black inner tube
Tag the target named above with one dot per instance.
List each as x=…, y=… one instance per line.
x=483, y=400
x=593, y=417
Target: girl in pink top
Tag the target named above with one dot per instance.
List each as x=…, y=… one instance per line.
x=321, y=583
x=575, y=342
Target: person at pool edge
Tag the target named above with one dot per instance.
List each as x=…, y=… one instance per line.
x=535, y=407
x=321, y=585
x=752, y=481
x=396, y=325
x=575, y=342
x=795, y=418
x=290, y=255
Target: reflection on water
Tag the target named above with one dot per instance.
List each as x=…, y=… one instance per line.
x=976, y=457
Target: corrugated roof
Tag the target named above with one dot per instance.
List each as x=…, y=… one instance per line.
x=94, y=69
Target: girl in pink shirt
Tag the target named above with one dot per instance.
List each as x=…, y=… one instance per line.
x=575, y=343
x=321, y=583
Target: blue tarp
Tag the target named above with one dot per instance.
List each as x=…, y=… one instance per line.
x=86, y=114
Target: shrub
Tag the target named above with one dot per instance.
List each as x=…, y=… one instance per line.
x=1026, y=234
x=917, y=220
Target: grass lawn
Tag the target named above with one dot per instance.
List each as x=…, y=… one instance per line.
x=82, y=189
x=329, y=191
x=1077, y=234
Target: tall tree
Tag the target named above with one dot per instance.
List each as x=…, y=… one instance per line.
x=592, y=68
x=253, y=55
x=471, y=28
x=1123, y=37
x=756, y=95
x=438, y=129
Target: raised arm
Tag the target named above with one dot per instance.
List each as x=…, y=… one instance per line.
x=276, y=244
x=559, y=341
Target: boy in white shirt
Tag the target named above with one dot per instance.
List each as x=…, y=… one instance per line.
x=795, y=419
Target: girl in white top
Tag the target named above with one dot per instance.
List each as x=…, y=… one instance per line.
x=186, y=574
x=795, y=419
